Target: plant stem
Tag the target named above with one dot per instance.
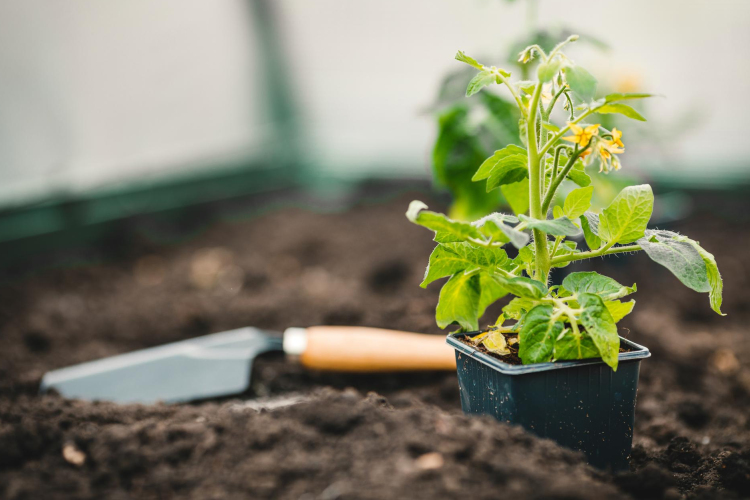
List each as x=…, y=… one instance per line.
x=535, y=188
x=557, y=244
x=605, y=250
x=548, y=197
x=515, y=95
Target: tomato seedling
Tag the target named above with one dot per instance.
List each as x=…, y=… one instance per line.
x=577, y=319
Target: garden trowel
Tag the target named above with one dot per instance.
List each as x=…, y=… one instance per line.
x=221, y=364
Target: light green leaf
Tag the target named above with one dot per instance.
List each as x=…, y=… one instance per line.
x=577, y=202
x=486, y=168
x=601, y=327
x=557, y=212
x=494, y=226
x=517, y=195
x=510, y=169
x=622, y=109
x=445, y=228
x=536, y=339
x=496, y=217
x=581, y=82
x=619, y=309
x=592, y=282
x=480, y=80
x=570, y=346
x=517, y=307
x=558, y=227
x=550, y=126
x=461, y=56
x=450, y=258
x=714, y=277
x=547, y=70
x=524, y=287
x=679, y=256
x=567, y=247
x=625, y=219
x=590, y=225
x=459, y=302
x=491, y=291
x=624, y=97
x=578, y=175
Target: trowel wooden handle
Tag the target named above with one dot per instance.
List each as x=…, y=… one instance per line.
x=360, y=349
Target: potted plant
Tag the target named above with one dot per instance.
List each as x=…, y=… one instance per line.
x=553, y=361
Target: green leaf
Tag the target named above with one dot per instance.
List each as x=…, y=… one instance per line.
x=624, y=97
x=445, y=228
x=523, y=287
x=601, y=327
x=577, y=202
x=619, y=309
x=567, y=247
x=510, y=169
x=570, y=346
x=459, y=302
x=578, y=175
x=450, y=258
x=517, y=307
x=590, y=225
x=625, y=219
x=486, y=168
x=558, y=227
x=622, y=109
x=714, y=277
x=557, y=212
x=461, y=56
x=480, y=80
x=491, y=291
x=494, y=226
x=592, y=282
x=547, y=70
x=517, y=195
x=581, y=82
x=536, y=340
x=550, y=126
x=679, y=256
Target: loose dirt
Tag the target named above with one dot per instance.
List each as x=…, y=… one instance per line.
x=341, y=436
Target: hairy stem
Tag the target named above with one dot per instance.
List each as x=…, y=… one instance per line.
x=535, y=188
x=556, y=180
x=517, y=97
x=605, y=250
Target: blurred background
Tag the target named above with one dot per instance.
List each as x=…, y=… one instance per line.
x=109, y=110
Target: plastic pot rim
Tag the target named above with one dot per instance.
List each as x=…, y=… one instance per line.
x=639, y=352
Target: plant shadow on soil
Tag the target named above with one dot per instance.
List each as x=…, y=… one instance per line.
x=365, y=436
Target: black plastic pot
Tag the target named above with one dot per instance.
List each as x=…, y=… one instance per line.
x=582, y=404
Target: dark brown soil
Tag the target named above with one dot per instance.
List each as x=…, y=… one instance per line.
x=296, y=268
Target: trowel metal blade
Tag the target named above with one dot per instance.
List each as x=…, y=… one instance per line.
x=210, y=366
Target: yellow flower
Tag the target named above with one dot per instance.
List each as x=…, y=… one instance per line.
x=617, y=137
x=605, y=151
x=582, y=136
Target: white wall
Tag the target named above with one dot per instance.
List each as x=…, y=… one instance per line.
x=95, y=92
x=366, y=68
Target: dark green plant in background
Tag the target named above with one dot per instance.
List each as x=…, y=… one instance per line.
x=577, y=319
